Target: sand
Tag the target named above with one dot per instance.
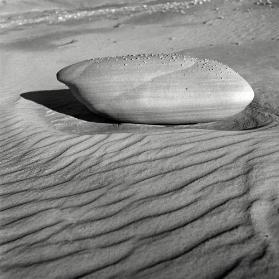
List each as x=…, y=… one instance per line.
x=85, y=198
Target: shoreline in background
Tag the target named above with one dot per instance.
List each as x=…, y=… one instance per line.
x=60, y=15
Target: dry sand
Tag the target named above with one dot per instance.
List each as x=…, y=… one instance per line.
x=83, y=198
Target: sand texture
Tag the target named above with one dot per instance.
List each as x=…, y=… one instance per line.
x=84, y=197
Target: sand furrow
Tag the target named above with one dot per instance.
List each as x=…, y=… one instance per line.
x=160, y=201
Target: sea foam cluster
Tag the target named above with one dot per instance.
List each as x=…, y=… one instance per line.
x=59, y=15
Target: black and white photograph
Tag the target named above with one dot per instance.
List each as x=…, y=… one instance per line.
x=139, y=139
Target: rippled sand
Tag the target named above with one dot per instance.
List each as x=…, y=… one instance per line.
x=83, y=197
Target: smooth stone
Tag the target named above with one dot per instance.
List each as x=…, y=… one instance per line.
x=158, y=89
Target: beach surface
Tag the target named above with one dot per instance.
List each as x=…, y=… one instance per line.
x=83, y=197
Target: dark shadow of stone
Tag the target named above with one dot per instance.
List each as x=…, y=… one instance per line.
x=63, y=101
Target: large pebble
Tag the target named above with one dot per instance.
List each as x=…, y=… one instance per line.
x=163, y=88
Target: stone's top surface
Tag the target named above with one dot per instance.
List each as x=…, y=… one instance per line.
x=144, y=63
x=161, y=88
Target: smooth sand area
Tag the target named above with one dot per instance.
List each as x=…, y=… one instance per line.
x=82, y=197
